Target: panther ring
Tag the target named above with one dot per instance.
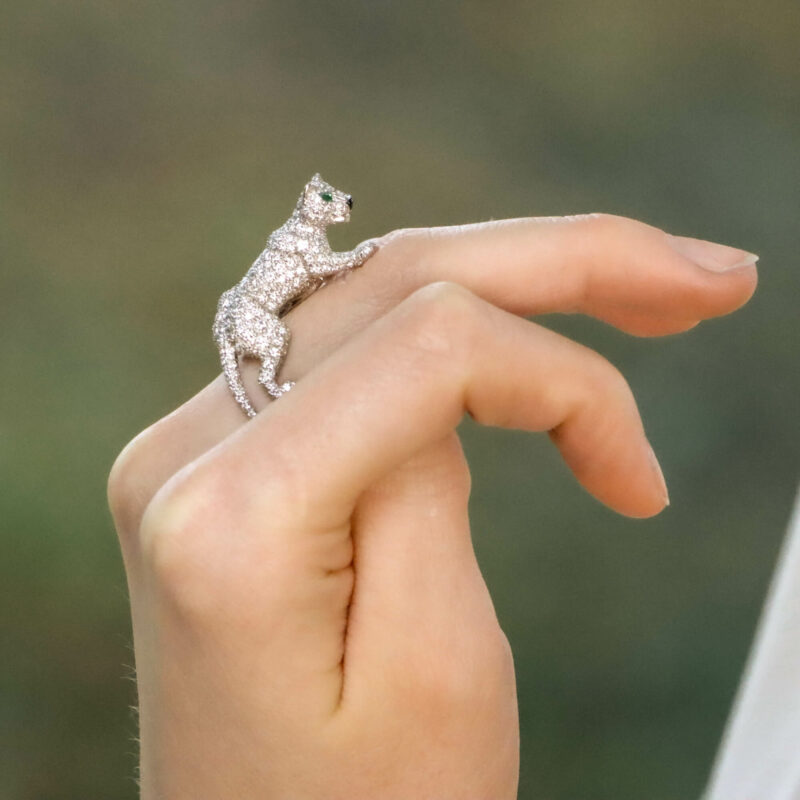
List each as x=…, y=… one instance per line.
x=296, y=261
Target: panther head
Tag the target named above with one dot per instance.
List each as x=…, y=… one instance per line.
x=320, y=202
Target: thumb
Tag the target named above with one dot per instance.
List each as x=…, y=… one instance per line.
x=420, y=607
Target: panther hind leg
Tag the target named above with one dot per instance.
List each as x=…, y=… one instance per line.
x=233, y=375
x=272, y=346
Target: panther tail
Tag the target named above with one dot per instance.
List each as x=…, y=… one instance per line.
x=230, y=367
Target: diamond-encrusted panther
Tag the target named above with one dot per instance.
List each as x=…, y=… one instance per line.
x=295, y=262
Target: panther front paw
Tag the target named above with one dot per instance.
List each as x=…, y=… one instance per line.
x=365, y=250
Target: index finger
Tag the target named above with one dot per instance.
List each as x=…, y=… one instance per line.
x=623, y=271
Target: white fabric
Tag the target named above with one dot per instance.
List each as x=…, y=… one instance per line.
x=759, y=758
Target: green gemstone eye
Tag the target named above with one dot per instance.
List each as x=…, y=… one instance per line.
x=326, y=196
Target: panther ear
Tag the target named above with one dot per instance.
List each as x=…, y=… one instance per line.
x=312, y=186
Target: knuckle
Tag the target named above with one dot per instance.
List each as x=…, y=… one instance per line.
x=441, y=687
x=286, y=494
x=179, y=505
x=127, y=482
x=615, y=383
x=609, y=391
x=175, y=528
x=440, y=300
x=607, y=225
x=402, y=240
x=118, y=486
x=492, y=660
x=479, y=675
x=404, y=250
x=502, y=656
x=198, y=540
x=438, y=475
x=613, y=236
x=182, y=550
x=411, y=257
x=443, y=320
x=604, y=239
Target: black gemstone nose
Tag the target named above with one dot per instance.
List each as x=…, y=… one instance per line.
x=349, y=201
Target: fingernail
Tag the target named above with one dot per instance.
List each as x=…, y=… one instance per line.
x=659, y=476
x=710, y=255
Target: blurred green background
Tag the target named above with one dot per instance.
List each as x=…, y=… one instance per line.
x=147, y=150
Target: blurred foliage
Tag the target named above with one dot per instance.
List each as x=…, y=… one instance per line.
x=147, y=150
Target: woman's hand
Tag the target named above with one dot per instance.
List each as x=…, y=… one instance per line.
x=309, y=618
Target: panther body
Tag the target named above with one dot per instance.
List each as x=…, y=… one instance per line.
x=296, y=261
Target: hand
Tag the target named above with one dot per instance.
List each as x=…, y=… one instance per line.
x=309, y=619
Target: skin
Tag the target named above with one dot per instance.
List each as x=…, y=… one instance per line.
x=309, y=618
